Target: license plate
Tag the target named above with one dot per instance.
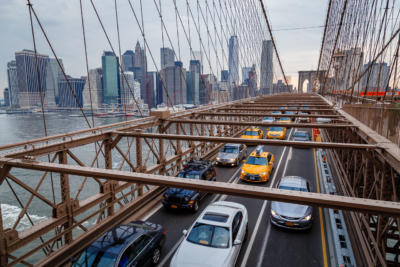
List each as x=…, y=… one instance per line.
x=289, y=223
x=174, y=206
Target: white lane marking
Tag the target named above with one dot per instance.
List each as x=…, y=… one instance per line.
x=166, y=258
x=289, y=157
x=151, y=213
x=255, y=231
x=264, y=246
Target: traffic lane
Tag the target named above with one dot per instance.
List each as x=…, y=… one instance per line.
x=176, y=221
x=294, y=248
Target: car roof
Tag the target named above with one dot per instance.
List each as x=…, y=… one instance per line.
x=231, y=144
x=196, y=166
x=114, y=240
x=225, y=208
x=262, y=155
x=252, y=129
x=293, y=181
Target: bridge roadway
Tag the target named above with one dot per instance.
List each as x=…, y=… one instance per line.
x=266, y=245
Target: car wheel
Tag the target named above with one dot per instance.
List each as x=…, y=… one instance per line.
x=155, y=258
x=195, y=206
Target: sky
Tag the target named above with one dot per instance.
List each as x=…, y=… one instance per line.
x=297, y=48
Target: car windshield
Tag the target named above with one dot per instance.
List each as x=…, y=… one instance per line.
x=285, y=119
x=267, y=118
x=189, y=175
x=300, y=134
x=92, y=257
x=276, y=129
x=256, y=161
x=209, y=235
x=276, y=112
x=251, y=133
x=230, y=149
x=293, y=188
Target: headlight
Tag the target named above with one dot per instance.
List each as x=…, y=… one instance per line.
x=232, y=160
x=165, y=196
x=186, y=199
x=218, y=159
x=273, y=213
x=243, y=172
x=307, y=218
x=264, y=173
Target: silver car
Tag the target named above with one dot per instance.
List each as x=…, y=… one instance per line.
x=288, y=215
x=231, y=155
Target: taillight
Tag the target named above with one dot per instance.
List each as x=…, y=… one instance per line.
x=164, y=232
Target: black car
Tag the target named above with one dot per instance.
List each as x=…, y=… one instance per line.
x=176, y=198
x=136, y=243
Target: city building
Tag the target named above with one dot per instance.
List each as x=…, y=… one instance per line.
x=376, y=78
x=130, y=89
x=193, y=87
x=348, y=68
x=266, y=67
x=6, y=95
x=128, y=60
x=70, y=91
x=174, y=82
x=224, y=75
x=140, y=68
x=54, y=74
x=195, y=66
x=111, y=79
x=12, y=84
x=280, y=87
x=252, y=81
x=233, y=61
x=29, y=76
x=153, y=89
x=208, y=85
x=96, y=89
x=197, y=55
x=240, y=92
x=245, y=75
x=167, y=57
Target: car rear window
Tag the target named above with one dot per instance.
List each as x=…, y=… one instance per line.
x=276, y=129
x=300, y=134
x=216, y=217
x=251, y=133
x=293, y=188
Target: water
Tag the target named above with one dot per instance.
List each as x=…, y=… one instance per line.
x=21, y=127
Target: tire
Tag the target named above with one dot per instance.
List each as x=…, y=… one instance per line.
x=156, y=256
x=195, y=206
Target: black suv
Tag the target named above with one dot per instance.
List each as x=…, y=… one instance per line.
x=176, y=198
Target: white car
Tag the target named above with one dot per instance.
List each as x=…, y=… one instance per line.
x=216, y=237
x=268, y=120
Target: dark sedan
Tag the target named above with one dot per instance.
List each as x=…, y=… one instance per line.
x=302, y=136
x=288, y=215
x=136, y=243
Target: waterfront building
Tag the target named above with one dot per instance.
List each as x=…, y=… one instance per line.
x=70, y=91
x=96, y=89
x=12, y=84
x=28, y=76
x=128, y=60
x=111, y=79
x=167, y=57
x=266, y=67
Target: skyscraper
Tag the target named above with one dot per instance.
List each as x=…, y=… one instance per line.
x=266, y=67
x=245, y=75
x=348, y=67
x=376, y=78
x=68, y=97
x=128, y=60
x=152, y=89
x=96, y=89
x=12, y=83
x=27, y=77
x=233, y=61
x=6, y=96
x=174, y=81
x=167, y=57
x=54, y=74
x=193, y=82
x=111, y=78
x=224, y=75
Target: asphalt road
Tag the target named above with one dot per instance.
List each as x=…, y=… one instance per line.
x=266, y=245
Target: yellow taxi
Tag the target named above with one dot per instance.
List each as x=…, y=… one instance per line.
x=285, y=120
x=276, y=132
x=258, y=166
x=253, y=133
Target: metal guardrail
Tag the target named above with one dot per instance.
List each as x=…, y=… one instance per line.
x=342, y=246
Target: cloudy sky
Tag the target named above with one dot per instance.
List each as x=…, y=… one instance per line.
x=298, y=48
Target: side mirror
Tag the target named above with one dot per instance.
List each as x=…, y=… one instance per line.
x=184, y=232
x=244, y=161
x=237, y=242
